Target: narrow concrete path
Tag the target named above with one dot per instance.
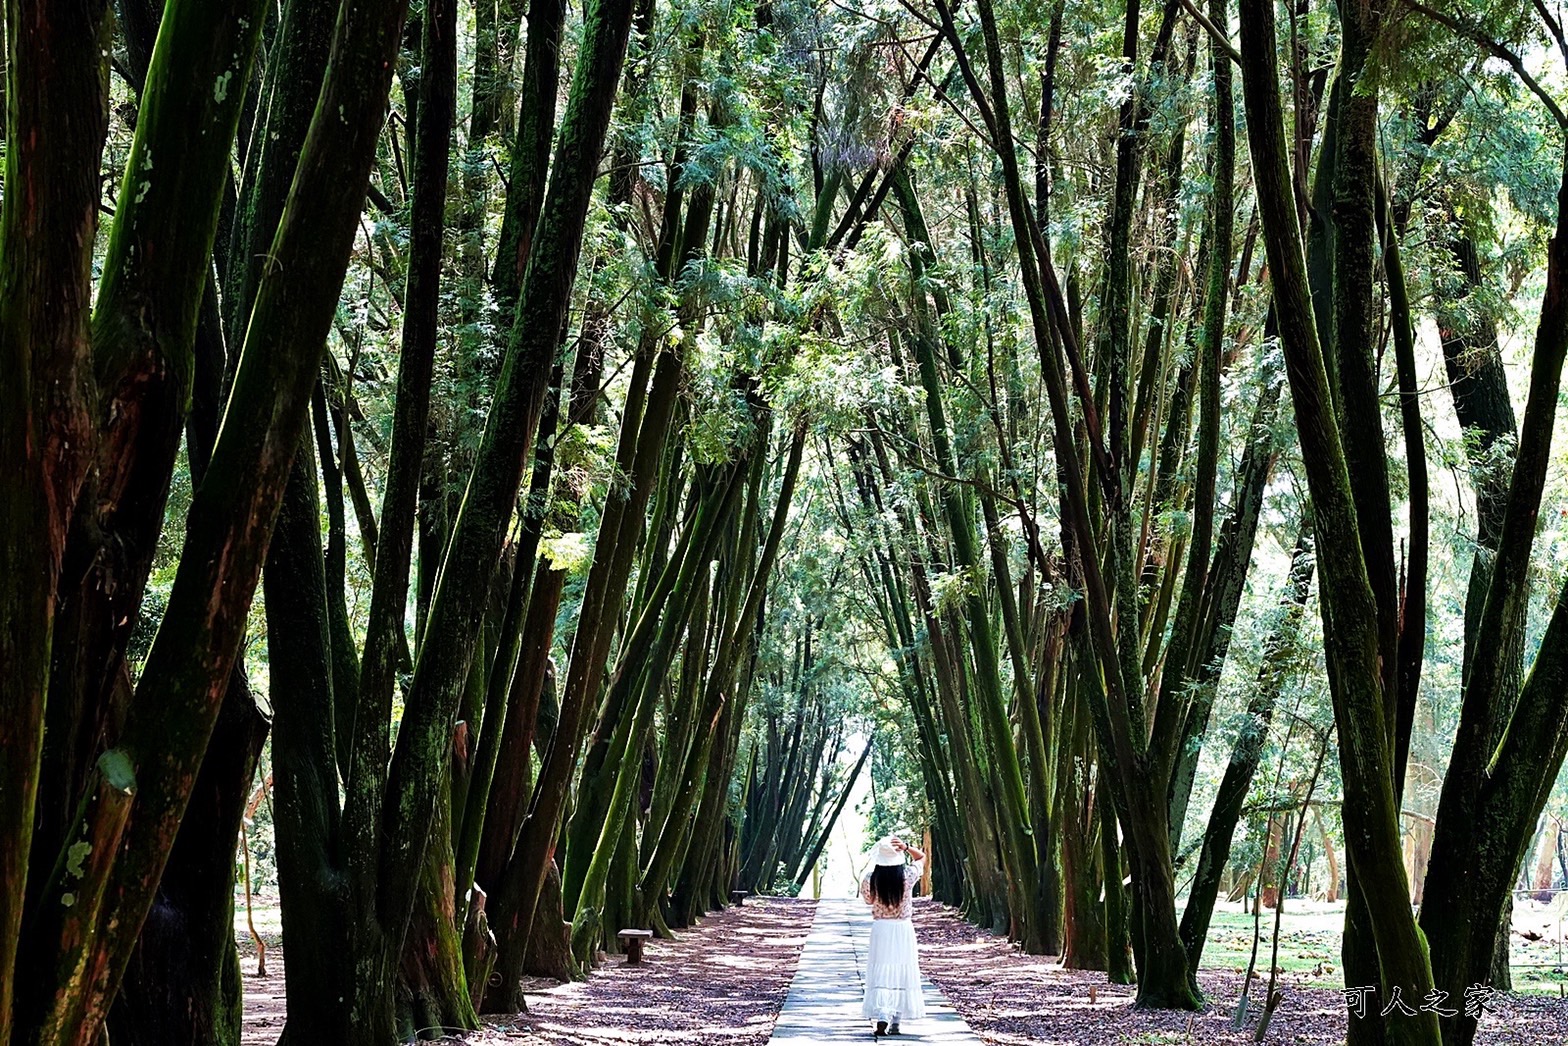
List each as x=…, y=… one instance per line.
x=824, y=998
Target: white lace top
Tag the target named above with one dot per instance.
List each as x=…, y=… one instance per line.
x=906, y=908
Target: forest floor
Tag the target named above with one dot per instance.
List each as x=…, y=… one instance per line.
x=720, y=984
x=1008, y=997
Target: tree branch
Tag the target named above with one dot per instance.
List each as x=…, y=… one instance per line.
x=1214, y=31
x=1496, y=50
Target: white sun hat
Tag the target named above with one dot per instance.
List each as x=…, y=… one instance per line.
x=885, y=853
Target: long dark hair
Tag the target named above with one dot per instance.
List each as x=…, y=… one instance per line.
x=887, y=884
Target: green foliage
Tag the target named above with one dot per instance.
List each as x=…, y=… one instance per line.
x=797, y=98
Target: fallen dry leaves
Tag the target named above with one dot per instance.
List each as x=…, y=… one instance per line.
x=1008, y=997
x=720, y=984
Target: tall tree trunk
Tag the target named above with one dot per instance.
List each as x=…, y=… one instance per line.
x=306, y=750
x=487, y=506
x=182, y=983
x=306, y=812
x=479, y=531
x=1352, y=633
x=1177, y=701
x=187, y=672
x=1488, y=807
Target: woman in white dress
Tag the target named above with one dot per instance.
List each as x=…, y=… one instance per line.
x=893, y=962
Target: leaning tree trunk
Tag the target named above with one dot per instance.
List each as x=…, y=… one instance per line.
x=82, y=946
x=433, y=995
x=304, y=752
x=183, y=983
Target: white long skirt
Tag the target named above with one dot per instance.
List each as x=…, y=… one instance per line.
x=893, y=973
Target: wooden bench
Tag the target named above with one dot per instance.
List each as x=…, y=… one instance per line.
x=631, y=943
x=738, y=896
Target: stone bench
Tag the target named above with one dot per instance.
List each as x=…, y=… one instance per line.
x=738, y=896
x=632, y=942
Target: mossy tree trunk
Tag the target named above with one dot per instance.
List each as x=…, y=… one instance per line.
x=183, y=980
x=155, y=280
x=1354, y=629
x=1505, y=749
x=392, y=793
x=1108, y=571
x=432, y=993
